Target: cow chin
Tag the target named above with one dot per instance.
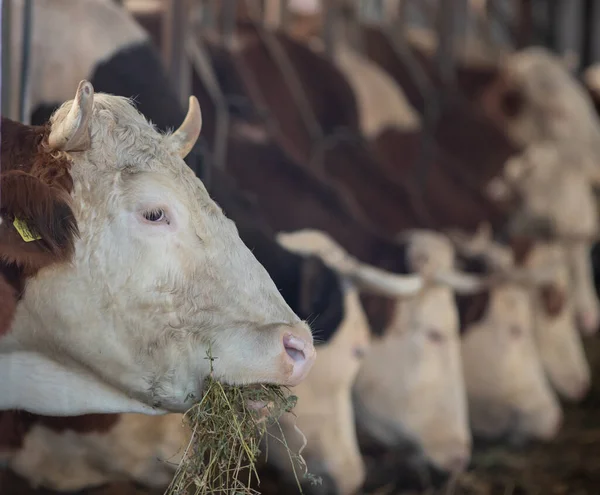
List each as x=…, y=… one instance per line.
x=40, y=385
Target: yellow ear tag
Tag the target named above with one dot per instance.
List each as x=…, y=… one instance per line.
x=26, y=234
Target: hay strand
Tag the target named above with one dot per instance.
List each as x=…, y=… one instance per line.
x=227, y=431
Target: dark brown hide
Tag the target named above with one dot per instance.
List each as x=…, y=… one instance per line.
x=14, y=425
x=34, y=188
x=553, y=299
x=380, y=176
x=379, y=312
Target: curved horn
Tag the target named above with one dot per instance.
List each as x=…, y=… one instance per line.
x=186, y=136
x=72, y=132
x=461, y=282
x=371, y=279
x=530, y=276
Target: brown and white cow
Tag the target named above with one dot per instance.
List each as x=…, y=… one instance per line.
x=37, y=225
x=410, y=386
x=508, y=393
x=564, y=195
x=154, y=253
x=48, y=456
x=558, y=339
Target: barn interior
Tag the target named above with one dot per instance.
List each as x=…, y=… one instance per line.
x=459, y=59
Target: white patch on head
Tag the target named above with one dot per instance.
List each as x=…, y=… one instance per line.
x=506, y=387
x=552, y=189
x=142, y=448
x=557, y=106
x=381, y=102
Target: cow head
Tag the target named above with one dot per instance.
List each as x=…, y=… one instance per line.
x=324, y=411
x=507, y=391
x=410, y=387
x=555, y=106
x=564, y=198
x=159, y=279
x=556, y=334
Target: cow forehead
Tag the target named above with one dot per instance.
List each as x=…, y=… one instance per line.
x=122, y=138
x=435, y=309
x=436, y=247
x=124, y=142
x=511, y=303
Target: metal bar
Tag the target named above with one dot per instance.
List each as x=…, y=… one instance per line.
x=6, y=57
x=524, y=25
x=567, y=23
x=591, y=46
x=331, y=14
x=445, y=53
x=175, y=30
x=25, y=57
x=203, y=68
x=228, y=17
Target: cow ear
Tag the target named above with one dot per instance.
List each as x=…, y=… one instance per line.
x=186, y=136
x=71, y=133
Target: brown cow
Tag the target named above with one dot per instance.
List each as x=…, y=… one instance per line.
x=37, y=225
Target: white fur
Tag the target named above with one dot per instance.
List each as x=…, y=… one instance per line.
x=147, y=449
x=324, y=411
x=558, y=107
x=506, y=387
x=563, y=194
x=138, y=447
x=68, y=40
x=411, y=384
x=141, y=302
x=558, y=339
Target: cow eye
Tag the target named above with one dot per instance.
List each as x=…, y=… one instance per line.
x=516, y=331
x=435, y=336
x=157, y=215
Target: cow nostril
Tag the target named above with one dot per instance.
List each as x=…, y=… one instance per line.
x=294, y=347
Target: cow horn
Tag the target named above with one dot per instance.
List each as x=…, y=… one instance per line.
x=186, y=136
x=72, y=132
x=461, y=282
x=371, y=279
x=530, y=276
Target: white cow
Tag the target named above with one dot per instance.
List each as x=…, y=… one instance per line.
x=410, y=386
x=507, y=389
x=147, y=448
x=159, y=276
x=564, y=195
x=556, y=334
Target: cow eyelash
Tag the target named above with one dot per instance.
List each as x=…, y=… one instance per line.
x=155, y=215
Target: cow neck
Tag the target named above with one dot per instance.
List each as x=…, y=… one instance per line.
x=14, y=425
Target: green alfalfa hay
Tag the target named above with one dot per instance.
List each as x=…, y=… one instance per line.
x=224, y=447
